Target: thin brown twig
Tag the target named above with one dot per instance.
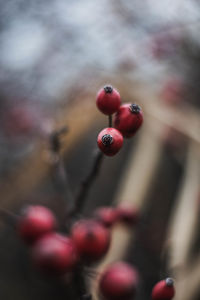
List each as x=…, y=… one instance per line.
x=87, y=184
x=81, y=286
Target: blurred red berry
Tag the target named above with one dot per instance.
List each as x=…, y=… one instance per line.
x=164, y=45
x=163, y=290
x=106, y=215
x=110, y=141
x=35, y=222
x=173, y=91
x=19, y=121
x=128, y=214
x=128, y=119
x=54, y=254
x=173, y=140
x=91, y=238
x=118, y=282
x=108, y=100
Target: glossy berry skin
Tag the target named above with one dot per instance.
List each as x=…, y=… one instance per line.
x=91, y=238
x=108, y=216
x=108, y=100
x=163, y=290
x=36, y=221
x=110, y=141
x=128, y=119
x=118, y=282
x=128, y=215
x=54, y=254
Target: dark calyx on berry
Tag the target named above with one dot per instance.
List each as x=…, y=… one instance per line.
x=108, y=89
x=107, y=139
x=135, y=109
x=169, y=282
x=90, y=235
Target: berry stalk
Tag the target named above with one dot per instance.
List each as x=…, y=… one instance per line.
x=80, y=283
x=86, y=184
x=110, y=121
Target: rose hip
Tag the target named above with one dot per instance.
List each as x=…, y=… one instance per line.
x=163, y=290
x=91, y=238
x=110, y=141
x=128, y=119
x=36, y=221
x=128, y=214
x=55, y=254
x=106, y=215
x=118, y=282
x=108, y=100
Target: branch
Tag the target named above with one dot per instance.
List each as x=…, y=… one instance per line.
x=86, y=184
x=59, y=174
x=110, y=121
x=80, y=283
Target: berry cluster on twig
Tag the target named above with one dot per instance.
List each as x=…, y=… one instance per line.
x=87, y=240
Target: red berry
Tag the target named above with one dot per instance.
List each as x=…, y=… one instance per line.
x=35, y=222
x=164, y=45
x=128, y=119
x=19, y=121
x=163, y=290
x=119, y=282
x=128, y=214
x=55, y=254
x=172, y=92
x=91, y=238
x=108, y=100
x=110, y=141
x=106, y=215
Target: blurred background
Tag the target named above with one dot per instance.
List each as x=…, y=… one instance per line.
x=54, y=56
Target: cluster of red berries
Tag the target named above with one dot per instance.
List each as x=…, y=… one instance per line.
x=51, y=251
x=56, y=253
x=120, y=280
x=109, y=216
x=127, y=120
x=89, y=239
